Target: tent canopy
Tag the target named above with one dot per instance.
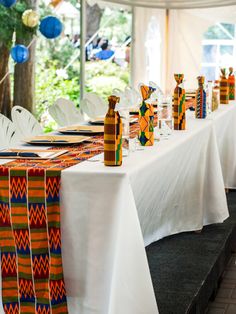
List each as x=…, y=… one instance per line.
x=176, y=4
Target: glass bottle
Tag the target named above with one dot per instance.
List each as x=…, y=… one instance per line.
x=201, y=107
x=179, y=112
x=146, y=117
x=112, y=135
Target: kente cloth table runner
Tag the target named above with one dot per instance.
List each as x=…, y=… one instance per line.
x=30, y=239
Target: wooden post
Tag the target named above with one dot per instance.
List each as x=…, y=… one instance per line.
x=82, y=46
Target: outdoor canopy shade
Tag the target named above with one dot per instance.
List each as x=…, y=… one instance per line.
x=176, y=4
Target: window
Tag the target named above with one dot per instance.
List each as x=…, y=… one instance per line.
x=219, y=49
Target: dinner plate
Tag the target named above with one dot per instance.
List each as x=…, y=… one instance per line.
x=32, y=154
x=100, y=121
x=52, y=140
x=83, y=129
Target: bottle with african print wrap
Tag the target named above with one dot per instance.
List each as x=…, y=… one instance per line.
x=146, y=117
x=179, y=108
x=231, y=80
x=201, y=107
x=112, y=135
x=224, y=88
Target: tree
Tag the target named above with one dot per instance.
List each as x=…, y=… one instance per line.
x=10, y=22
x=24, y=74
x=7, y=25
x=93, y=16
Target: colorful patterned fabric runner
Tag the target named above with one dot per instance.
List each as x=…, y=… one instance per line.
x=30, y=239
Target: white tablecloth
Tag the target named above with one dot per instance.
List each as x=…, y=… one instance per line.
x=175, y=186
x=224, y=121
x=109, y=214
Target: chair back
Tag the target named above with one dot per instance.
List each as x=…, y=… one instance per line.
x=64, y=112
x=93, y=106
x=25, y=123
x=9, y=136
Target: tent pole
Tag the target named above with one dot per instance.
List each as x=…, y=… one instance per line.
x=167, y=49
x=132, y=49
x=82, y=46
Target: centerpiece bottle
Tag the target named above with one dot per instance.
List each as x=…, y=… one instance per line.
x=224, y=88
x=112, y=135
x=179, y=104
x=201, y=110
x=146, y=117
x=231, y=80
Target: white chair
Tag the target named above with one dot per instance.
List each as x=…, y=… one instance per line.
x=64, y=112
x=93, y=106
x=25, y=123
x=8, y=133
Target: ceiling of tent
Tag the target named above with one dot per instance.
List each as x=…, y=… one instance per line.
x=176, y=4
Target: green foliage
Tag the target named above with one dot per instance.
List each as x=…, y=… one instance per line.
x=117, y=25
x=10, y=21
x=103, y=76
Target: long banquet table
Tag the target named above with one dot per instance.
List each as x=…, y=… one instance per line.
x=109, y=215
x=224, y=122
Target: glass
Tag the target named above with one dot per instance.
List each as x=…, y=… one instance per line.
x=125, y=116
x=209, y=96
x=165, y=120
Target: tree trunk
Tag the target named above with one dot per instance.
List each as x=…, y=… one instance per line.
x=93, y=16
x=24, y=74
x=24, y=80
x=5, y=90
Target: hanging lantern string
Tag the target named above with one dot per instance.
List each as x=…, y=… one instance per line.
x=9, y=72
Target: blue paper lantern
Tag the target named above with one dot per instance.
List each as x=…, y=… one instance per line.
x=50, y=27
x=7, y=3
x=20, y=53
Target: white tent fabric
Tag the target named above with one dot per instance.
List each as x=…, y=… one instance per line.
x=148, y=40
x=180, y=46
x=176, y=4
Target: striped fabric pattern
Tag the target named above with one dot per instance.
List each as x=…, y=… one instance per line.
x=30, y=239
x=224, y=88
x=201, y=110
x=146, y=118
x=112, y=135
x=231, y=81
x=31, y=264
x=179, y=104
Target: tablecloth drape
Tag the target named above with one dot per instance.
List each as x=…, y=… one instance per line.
x=224, y=122
x=175, y=186
x=108, y=215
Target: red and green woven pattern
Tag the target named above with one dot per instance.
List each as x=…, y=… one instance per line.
x=146, y=118
x=32, y=274
x=224, y=88
x=231, y=80
x=200, y=111
x=179, y=104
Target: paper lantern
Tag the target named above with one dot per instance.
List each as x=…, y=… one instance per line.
x=20, y=53
x=50, y=27
x=7, y=3
x=30, y=18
